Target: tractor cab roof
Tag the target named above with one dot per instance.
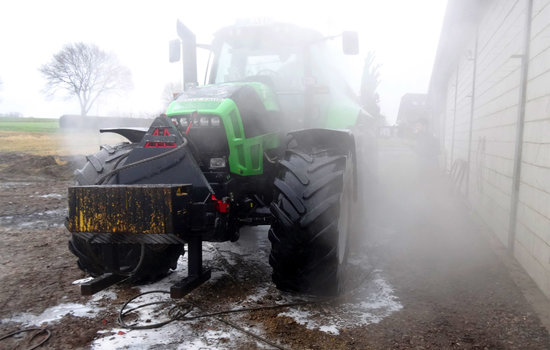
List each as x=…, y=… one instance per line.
x=276, y=34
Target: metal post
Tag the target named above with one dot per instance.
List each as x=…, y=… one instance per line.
x=182, y=67
x=519, y=129
x=472, y=105
x=196, y=275
x=454, y=120
x=443, y=137
x=194, y=260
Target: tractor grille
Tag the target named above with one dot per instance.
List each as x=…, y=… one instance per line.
x=207, y=138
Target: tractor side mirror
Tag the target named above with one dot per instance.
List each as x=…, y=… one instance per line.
x=174, y=50
x=350, y=43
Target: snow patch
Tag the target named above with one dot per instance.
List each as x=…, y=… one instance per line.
x=128, y=339
x=251, y=246
x=330, y=329
x=56, y=313
x=212, y=339
x=50, y=195
x=5, y=219
x=106, y=294
x=53, y=212
x=261, y=293
x=43, y=219
x=37, y=224
x=179, y=334
x=301, y=317
x=83, y=280
x=374, y=301
x=53, y=314
x=15, y=184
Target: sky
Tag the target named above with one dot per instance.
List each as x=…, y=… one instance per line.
x=403, y=34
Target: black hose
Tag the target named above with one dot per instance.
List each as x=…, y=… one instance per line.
x=180, y=312
x=122, y=313
x=176, y=313
x=40, y=331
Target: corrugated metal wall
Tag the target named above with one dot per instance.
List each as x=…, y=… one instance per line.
x=489, y=140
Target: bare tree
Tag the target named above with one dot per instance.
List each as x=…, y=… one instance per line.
x=170, y=92
x=85, y=71
x=370, y=100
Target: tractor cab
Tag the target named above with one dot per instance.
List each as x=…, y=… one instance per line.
x=274, y=55
x=297, y=64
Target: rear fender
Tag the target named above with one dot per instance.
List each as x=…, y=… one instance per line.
x=134, y=135
x=338, y=141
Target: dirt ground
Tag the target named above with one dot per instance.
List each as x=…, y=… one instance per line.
x=422, y=276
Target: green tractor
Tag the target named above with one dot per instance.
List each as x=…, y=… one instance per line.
x=271, y=139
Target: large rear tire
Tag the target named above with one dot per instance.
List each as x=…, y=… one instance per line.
x=309, y=240
x=141, y=263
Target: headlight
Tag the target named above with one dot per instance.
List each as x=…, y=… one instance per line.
x=216, y=163
x=203, y=121
x=215, y=121
x=184, y=121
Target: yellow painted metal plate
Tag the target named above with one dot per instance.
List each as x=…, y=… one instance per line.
x=128, y=208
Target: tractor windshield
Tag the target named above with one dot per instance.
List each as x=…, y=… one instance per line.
x=279, y=68
x=297, y=64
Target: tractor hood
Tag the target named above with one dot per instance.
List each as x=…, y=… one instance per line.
x=211, y=96
x=249, y=114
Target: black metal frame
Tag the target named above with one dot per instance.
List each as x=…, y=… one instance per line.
x=168, y=204
x=196, y=275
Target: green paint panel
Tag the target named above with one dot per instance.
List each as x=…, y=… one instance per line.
x=178, y=107
x=245, y=154
x=341, y=115
x=266, y=95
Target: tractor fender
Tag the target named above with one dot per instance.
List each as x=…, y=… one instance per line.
x=336, y=141
x=134, y=135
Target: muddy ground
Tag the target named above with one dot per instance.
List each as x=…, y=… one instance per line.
x=423, y=275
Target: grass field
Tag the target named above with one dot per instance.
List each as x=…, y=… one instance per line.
x=43, y=137
x=29, y=124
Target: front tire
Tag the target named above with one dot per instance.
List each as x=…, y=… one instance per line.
x=141, y=263
x=309, y=240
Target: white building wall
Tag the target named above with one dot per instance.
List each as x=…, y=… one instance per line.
x=532, y=246
x=463, y=106
x=496, y=106
x=500, y=39
x=447, y=125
